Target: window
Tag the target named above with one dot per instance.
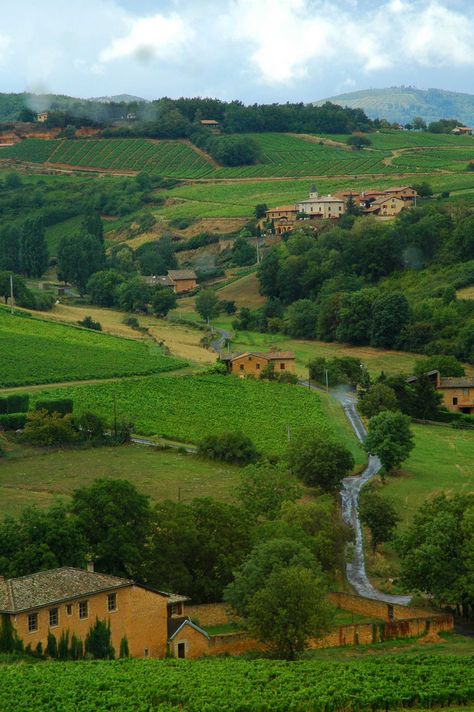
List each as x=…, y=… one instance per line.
x=242, y=366
x=69, y=609
x=83, y=609
x=257, y=366
x=176, y=609
x=53, y=617
x=32, y=622
x=282, y=367
x=146, y=652
x=455, y=401
x=112, y=602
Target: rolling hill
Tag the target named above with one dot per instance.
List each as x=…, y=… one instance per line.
x=403, y=103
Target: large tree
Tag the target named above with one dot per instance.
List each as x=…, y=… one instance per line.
x=33, y=248
x=390, y=437
x=79, y=257
x=207, y=304
x=10, y=237
x=379, y=515
x=264, y=488
x=378, y=398
x=289, y=610
x=391, y=313
x=318, y=460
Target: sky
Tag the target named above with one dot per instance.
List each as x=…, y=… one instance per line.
x=252, y=50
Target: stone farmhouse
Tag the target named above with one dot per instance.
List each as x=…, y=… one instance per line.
x=383, y=203
x=458, y=392
x=179, y=280
x=252, y=363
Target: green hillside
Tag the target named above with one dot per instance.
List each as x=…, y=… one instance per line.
x=37, y=351
x=403, y=103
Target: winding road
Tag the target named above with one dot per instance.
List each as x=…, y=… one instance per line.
x=351, y=487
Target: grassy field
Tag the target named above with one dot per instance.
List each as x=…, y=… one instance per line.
x=37, y=351
x=186, y=408
x=442, y=461
x=244, y=292
x=29, y=476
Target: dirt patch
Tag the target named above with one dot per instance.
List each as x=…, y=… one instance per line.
x=320, y=139
x=432, y=637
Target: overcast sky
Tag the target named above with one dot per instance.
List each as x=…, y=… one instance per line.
x=253, y=50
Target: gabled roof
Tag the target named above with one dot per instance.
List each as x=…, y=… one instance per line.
x=456, y=382
x=281, y=208
x=270, y=356
x=321, y=199
x=46, y=588
x=209, y=122
x=177, y=624
x=385, y=199
x=177, y=274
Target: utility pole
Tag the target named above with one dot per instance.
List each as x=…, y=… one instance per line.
x=309, y=378
x=11, y=293
x=327, y=380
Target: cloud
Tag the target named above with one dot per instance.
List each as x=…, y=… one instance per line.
x=289, y=39
x=156, y=37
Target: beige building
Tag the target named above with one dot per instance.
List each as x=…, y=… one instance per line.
x=458, y=391
x=282, y=217
x=42, y=117
x=322, y=206
x=252, y=363
x=386, y=206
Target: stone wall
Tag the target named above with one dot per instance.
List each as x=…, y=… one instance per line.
x=376, y=609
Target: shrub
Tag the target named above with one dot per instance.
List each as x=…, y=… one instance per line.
x=229, y=447
x=124, y=651
x=15, y=403
x=14, y=421
x=98, y=642
x=59, y=405
x=43, y=428
x=91, y=426
x=89, y=323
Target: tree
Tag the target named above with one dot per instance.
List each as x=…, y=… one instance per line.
x=98, y=641
x=133, y=295
x=379, y=515
x=264, y=488
x=427, y=399
x=424, y=189
x=446, y=365
x=378, y=398
x=33, y=248
x=91, y=426
x=207, y=304
x=355, y=316
x=288, y=610
x=266, y=558
x=93, y=225
x=229, y=447
x=79, y=257
x=436, y=550
x=102, y=287
x=46, y=429
x=351, y=206
x=418, y=123
x=390, y=438
x=10, y=249
x=260, y=211
x=13, y=181
x=319, y=461
x=358, y=142
x=302, y=319
x=115, y=519
x=243, y=252
x=162, y=301
x=391, y=313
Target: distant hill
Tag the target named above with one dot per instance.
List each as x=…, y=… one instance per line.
x=401, y=104
x=118, y=99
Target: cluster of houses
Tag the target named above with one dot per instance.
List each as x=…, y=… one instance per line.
x=457, y=391
x=383, y=203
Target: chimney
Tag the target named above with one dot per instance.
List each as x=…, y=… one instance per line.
x=90, y=566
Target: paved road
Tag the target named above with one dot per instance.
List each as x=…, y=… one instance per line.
x=218, y=344
x=351, y=487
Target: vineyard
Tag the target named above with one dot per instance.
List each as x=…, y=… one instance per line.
x=170, y=158
x=185, y=408
x=226, y=685
x=37, y=351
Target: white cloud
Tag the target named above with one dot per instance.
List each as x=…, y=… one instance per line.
x=156, y=37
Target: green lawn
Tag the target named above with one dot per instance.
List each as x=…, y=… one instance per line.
x=188, y=407
x=442, y=461
x=37, y=351
x=30, y=476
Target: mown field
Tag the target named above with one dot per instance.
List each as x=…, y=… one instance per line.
x=29, y=476
x=35, y=351
x=229, y=685
x=186, y=408
x=442, y=461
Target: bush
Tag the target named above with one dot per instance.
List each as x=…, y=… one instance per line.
x=98, y=642
x=90, y=426
x=89, y=323
x=14, y=421
x=45, y=429
x=229, y=447
x=16, y=403
x=59, y=405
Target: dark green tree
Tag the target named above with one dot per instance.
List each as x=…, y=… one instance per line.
x=391, y=313
x=243, y=252
x=301, y=319
x=264, y=488
x=390, y=437
x=79, y=257
x=162, y=301
x=133, y=295
x=102, y=287
x=319, y=461
x=378, y=398
x=207, y=304
x=379, y=515
x=10, y=238
x=33, y=248
x=98, y=642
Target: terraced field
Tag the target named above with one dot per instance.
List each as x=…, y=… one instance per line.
x=35, y=351
x=171, y=158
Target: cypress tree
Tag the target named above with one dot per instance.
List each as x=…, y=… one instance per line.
x=33, y=248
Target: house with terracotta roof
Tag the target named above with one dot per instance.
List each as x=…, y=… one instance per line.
x=458, y=392
x=71, y=599
x=252, y=363
x=179, y=280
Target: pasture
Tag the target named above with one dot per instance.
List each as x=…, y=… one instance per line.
x=36, y=351
x=185, y=408
x=30, y=476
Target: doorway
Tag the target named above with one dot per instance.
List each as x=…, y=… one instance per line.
x=181, y=650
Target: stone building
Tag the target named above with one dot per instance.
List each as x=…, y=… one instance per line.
x=252, y=363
